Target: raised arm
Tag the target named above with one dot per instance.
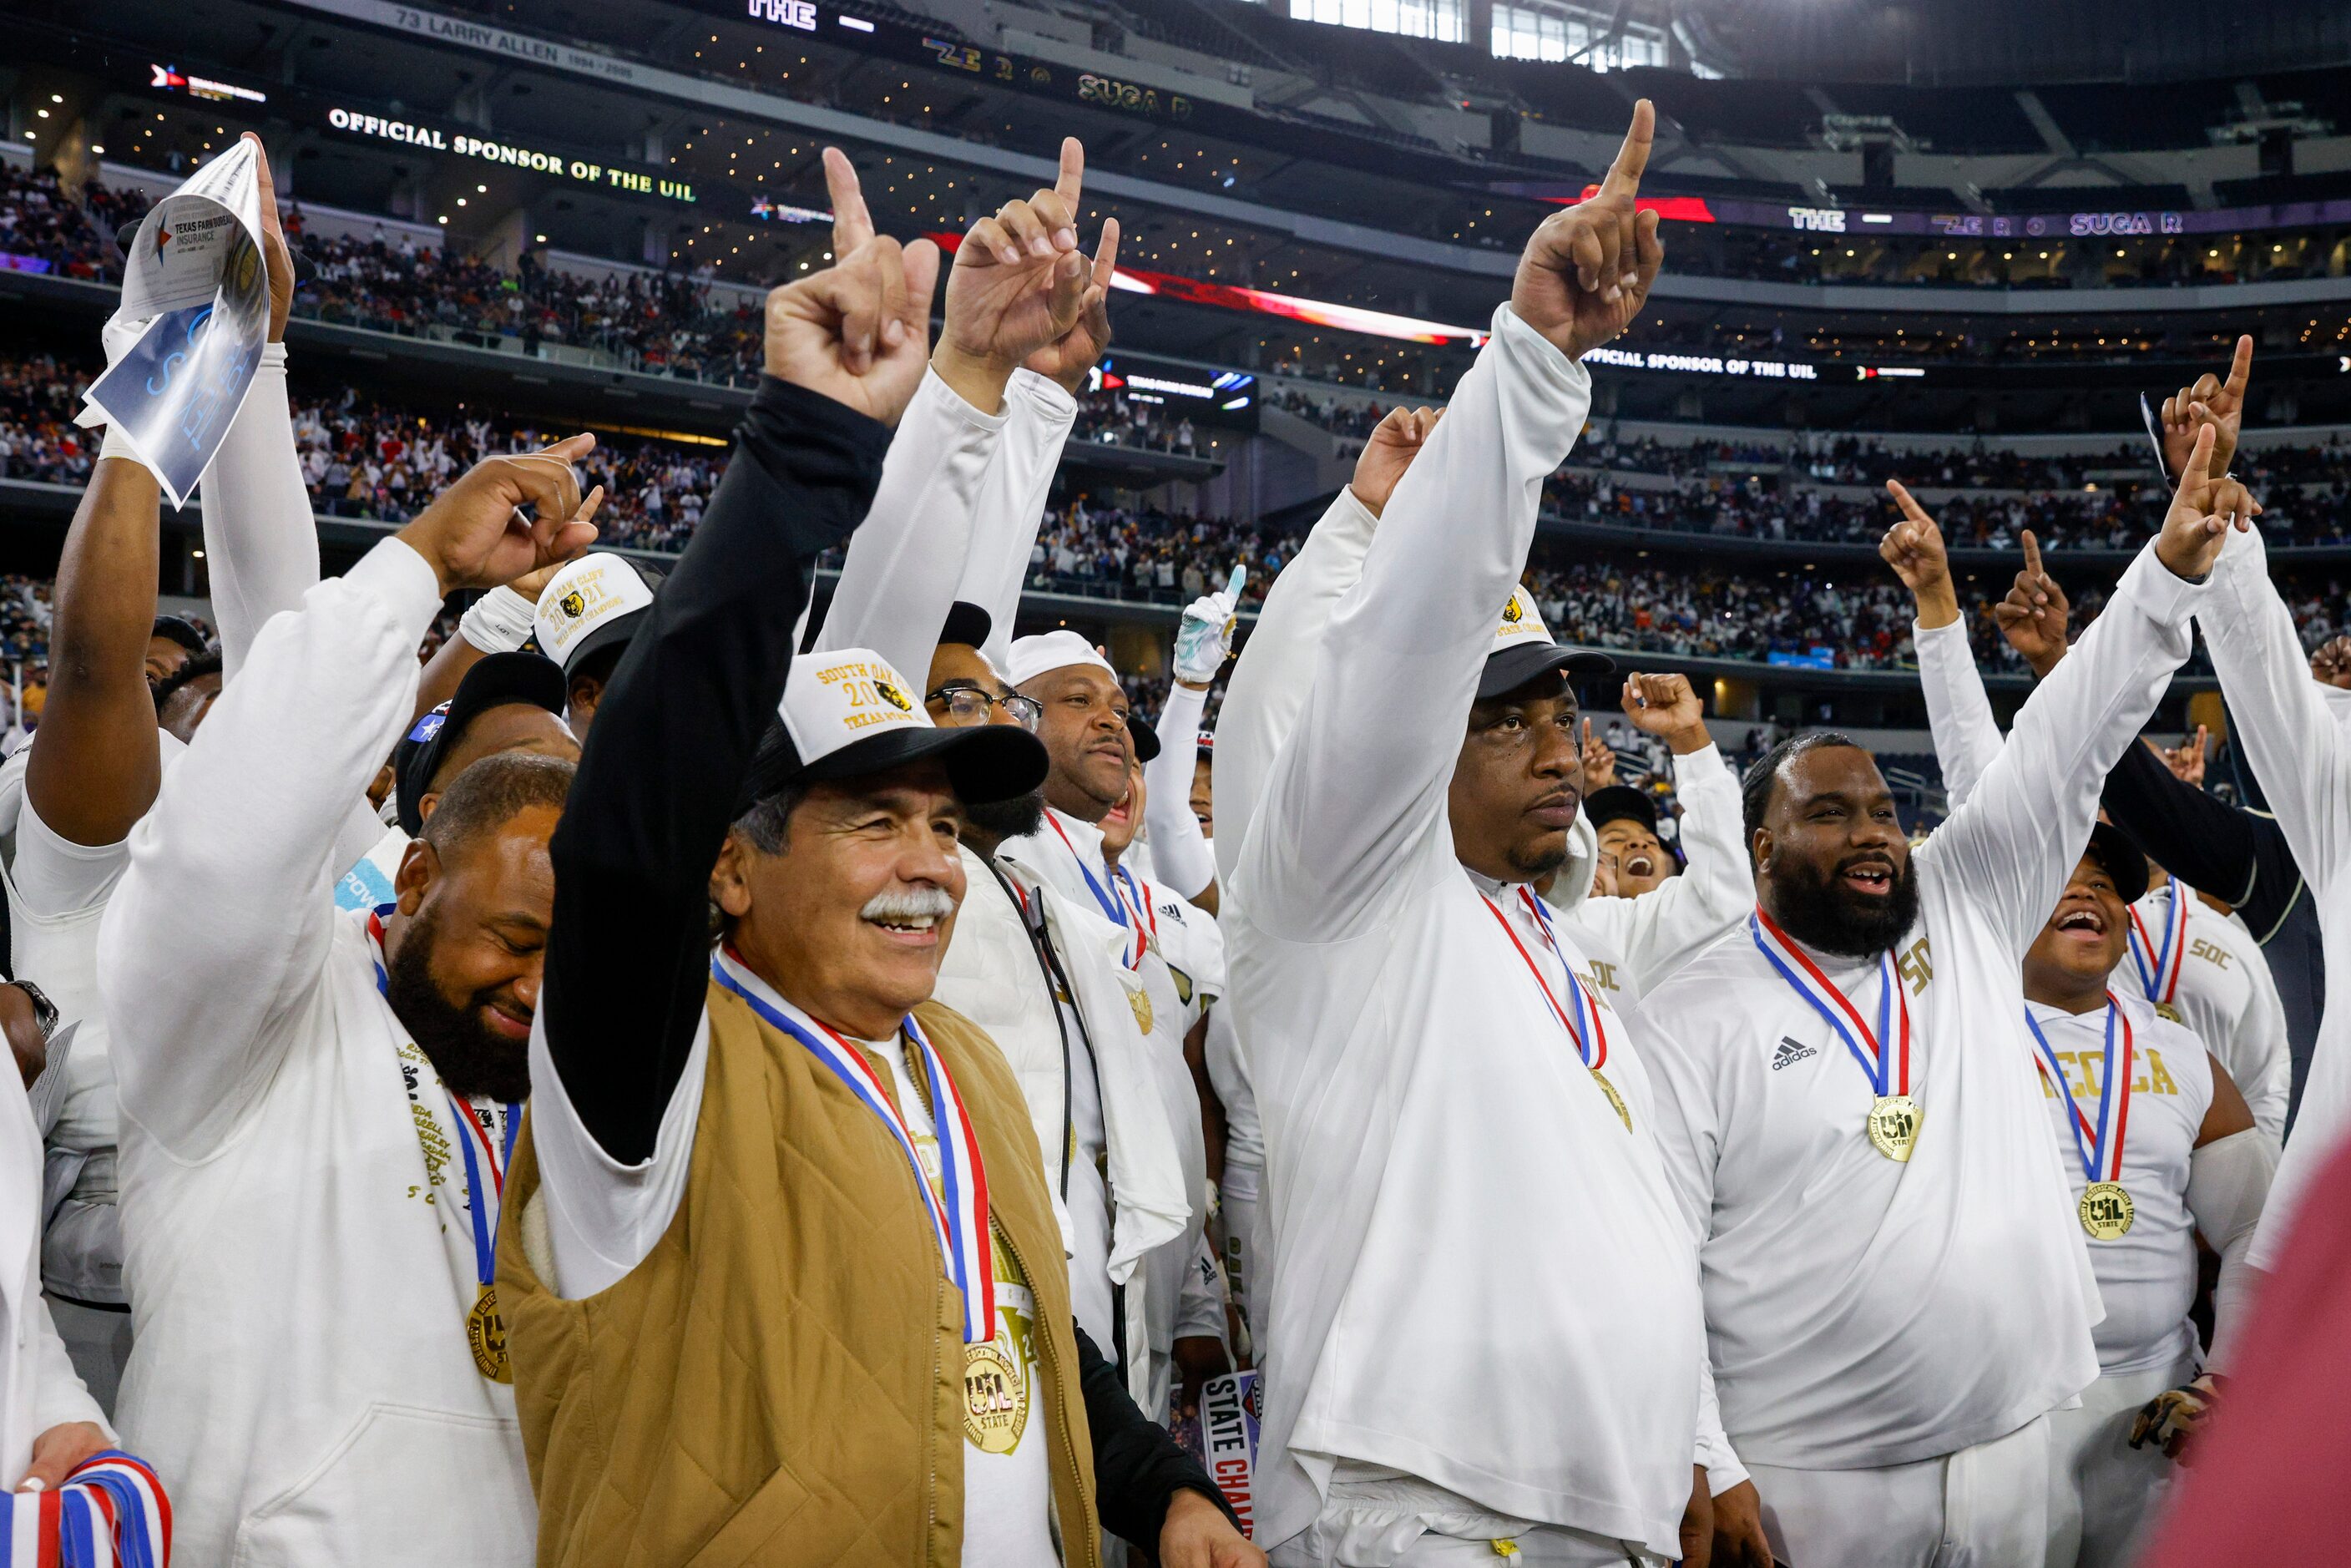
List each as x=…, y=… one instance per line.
x=2010, y=845
x=1017, y=282
x=1179, y=849
x=261, y=541
x=2303, y=762
x=1958, y=712
x=1362, y=780
x=1042, y=407
x=93, y=772
x=700, y=684
x=1267, y=686
x=1663, y=929
x=246, y=829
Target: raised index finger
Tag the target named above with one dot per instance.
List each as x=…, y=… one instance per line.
x=1072, y=178
x=852, y=225
x=2240, y=367
x=1902, y=498
x=1633, y=158
x=2032, y=553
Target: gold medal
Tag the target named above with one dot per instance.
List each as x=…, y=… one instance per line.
x=2166, y=1011
x=1894, y=1126
x=1613, y=1098
x=2107, y=1211
x=994, y=1399
x=1140, y=1001
x=486, y=1331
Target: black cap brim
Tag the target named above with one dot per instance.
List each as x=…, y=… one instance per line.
x=1620, y=802
x=496, y=680
x=1514, y=667
x=984, y=762
x=2123, y=859
x=619, y=629
x=967, y=623
x=1146, y=739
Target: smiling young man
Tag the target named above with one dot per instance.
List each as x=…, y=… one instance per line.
x=1896, y=1293
x=2160, y=1149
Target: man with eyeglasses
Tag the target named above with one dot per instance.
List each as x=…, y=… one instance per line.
x=1168, y=980
x=931, y=576
x=1039, y=974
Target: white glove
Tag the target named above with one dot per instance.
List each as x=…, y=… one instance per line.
x=1205, y=640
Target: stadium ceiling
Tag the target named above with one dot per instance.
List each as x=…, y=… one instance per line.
x=2005, y=42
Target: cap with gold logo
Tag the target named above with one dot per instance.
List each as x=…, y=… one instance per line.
x=847, y=713
x=594, y=602
x=1522, y=648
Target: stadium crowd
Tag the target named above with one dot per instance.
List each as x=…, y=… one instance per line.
x=967, y=1123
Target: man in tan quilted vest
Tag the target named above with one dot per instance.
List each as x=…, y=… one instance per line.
x=786, y=1285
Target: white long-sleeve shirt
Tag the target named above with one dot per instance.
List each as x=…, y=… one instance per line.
x=1658, y=933
x=2223, y=990
x=1426, y=1121
x=907, y=557
x=38, y=1387
x=1175, y=967
x=301, y=1273
x=1180, y=854
x=1011, y=505
x=261, y=545
x=1864, y=1312
x=2303, y=758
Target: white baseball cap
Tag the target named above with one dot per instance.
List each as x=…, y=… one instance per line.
x=1042, y=654
x=848, y=712
x=591, y=603
x=1523, y=649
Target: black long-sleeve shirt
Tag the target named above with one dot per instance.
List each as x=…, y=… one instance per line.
x=2241, y=858
x=657, y=790
x=672, y=740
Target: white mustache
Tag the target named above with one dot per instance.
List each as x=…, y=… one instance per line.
x=909, y=903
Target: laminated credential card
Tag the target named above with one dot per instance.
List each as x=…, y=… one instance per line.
x=197, y=291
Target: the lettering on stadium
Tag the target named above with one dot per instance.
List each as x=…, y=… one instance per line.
x=798, y=13
x=1111, y=93
x=1704, y=364
x=629, y=181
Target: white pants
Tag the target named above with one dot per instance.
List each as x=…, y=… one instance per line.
x=1984, y=1507
x=1408, y=1523
x=2102, y=1491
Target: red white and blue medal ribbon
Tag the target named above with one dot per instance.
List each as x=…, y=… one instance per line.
x=1884, y=1058
x=1112, y=899
x=2101, y=1158
x=960, y=1224
x=1582, y=1020
x=485, y=1204
x=2158, y=968
x=110, y=1512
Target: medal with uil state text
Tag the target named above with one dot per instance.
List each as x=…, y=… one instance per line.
x=995, y=1397
x=486, y=1331
x=1894, y=1120
x=2105, y=1209
x=1581, y=1017
x=1894, y=1126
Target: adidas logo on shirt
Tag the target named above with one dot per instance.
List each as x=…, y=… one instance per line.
x=1789, y=1051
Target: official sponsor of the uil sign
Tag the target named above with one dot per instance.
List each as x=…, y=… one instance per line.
x=513, y=156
